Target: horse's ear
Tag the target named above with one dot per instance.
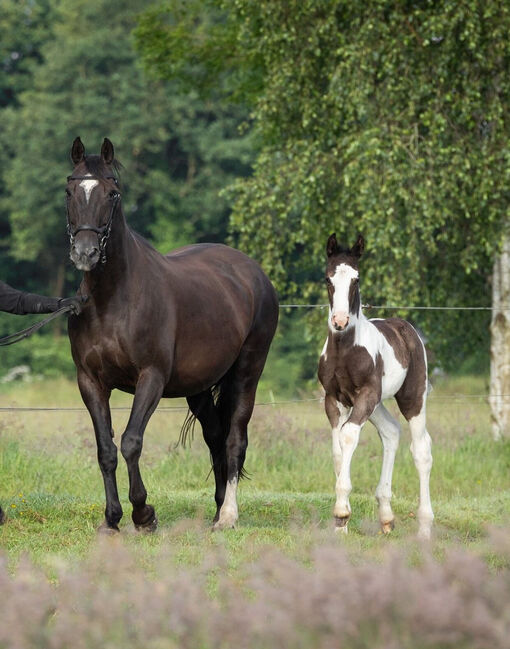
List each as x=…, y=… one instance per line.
x=77, y=151
x=107, y=152
x=332, y=245
x=358, y=247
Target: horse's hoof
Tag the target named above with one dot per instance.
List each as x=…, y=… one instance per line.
x=225, y=522
x=2, y=516
x=388, y=526
x=107, y=530
x=148, y=528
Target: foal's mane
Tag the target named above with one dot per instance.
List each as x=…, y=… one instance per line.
x=96, y=167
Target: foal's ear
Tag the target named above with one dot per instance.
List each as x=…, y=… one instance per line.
x=332, y=245
x=358, y=247
x=107, y=152
x=77, y=151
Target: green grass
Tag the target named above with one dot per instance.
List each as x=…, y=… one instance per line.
x=51, y=488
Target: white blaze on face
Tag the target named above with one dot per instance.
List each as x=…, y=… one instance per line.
x=88, y=186
x=341, y=281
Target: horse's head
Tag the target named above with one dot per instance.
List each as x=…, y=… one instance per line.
x=92, y=197
x=342, y=280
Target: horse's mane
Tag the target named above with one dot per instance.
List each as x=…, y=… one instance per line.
x=97, y=167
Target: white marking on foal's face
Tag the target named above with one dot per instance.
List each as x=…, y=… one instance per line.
x=88, y=186
x=341, y=280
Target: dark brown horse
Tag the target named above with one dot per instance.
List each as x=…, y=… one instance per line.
x=364, y=362
x=196, y=323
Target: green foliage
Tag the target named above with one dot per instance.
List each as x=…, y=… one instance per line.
x=68, y=68
x=386, y=119
x=178, y=150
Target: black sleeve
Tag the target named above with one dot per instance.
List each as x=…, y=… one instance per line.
x=14, y=301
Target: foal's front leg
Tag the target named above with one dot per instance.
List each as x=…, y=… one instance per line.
x=96, y=399
x=147, y=395
x=349, y=437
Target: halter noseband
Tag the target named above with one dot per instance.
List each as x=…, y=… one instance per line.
x=104, y=232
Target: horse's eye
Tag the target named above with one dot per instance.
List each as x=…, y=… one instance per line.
x=328, y=281
x=68, y=193
x=114, y=194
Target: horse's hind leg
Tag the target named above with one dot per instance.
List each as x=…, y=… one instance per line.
x=389, y=432
x=235, y=405
x=147, y=395
x=203, y=408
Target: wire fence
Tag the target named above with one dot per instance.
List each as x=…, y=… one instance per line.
x=161, y=409
x=402, y=308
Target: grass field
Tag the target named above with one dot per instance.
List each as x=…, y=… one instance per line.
x=52, y=492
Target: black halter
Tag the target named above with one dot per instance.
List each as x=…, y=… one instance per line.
x=104, y=232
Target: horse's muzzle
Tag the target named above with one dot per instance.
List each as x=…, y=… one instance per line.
x=84, y=257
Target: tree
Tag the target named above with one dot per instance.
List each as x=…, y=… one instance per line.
x=170, y=143
x=386, y=118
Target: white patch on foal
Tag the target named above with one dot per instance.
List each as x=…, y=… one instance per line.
x=88, y=186
x=341, y=281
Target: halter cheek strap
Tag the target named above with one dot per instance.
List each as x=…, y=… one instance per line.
x=103, y=232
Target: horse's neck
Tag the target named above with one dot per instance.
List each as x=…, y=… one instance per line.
x=109, y=277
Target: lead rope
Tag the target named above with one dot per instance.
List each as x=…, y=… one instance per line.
x=11, y=339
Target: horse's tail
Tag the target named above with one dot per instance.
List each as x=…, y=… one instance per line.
x=219, y=393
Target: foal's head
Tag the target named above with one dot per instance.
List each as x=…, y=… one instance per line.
x=342, y=280
x=92, y=197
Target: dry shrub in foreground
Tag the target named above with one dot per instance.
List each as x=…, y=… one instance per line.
x=111, y=602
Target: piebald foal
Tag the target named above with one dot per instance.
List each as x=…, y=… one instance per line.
x=364, y=362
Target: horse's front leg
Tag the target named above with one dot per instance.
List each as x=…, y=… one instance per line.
x=96, y=399
x=147, y=395
x=348, y=438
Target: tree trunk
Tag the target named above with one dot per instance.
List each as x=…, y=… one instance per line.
x=500, y=343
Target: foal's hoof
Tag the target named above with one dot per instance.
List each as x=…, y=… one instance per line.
x=341, y=524
x=107, y=530
x=388, y=526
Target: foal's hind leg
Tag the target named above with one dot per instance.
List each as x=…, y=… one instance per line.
x=202, y=406
x=421, y=446
x=389, y=432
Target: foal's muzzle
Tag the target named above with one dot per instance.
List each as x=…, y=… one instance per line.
x=340, y=320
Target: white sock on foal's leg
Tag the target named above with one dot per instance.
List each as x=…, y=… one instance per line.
x=389, y=432
x=349, y=437
x=421, y=448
